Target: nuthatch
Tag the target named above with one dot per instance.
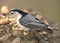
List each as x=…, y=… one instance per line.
x=27, y=21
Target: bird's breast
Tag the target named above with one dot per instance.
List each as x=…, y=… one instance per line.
x=22, y=27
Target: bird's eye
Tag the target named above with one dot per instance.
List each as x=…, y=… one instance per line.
x=11, y=13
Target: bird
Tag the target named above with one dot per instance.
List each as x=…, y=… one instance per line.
x=28, y=22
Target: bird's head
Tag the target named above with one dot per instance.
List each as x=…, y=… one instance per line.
x=17, y=12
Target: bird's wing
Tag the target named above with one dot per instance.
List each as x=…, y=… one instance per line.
x=33, y=23
x=40, y=27
x=37, y=24
x=31, y=20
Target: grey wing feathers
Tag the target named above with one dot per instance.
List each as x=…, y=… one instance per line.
x=29, y=18
x=33, y=23
x=37, y=26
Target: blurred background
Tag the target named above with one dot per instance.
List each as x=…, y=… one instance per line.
x=49, y=8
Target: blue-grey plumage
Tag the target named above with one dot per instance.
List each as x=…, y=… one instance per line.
x=28, y=21
x=31, y=22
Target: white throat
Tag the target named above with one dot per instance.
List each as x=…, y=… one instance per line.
x=18, y=17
